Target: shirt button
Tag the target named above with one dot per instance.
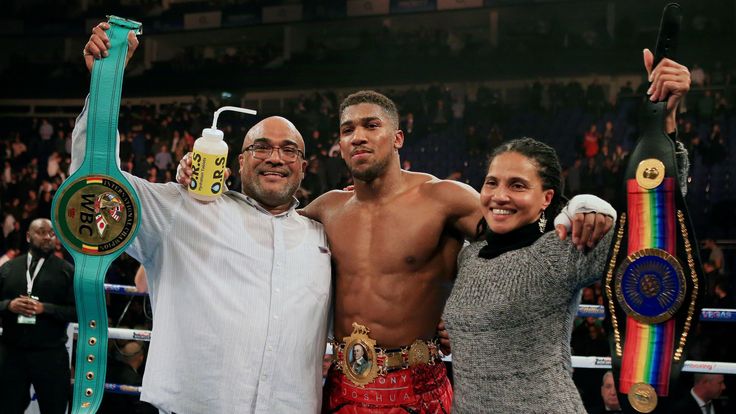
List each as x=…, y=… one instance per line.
x=278, y=290
x=270, y=348
x=275, y=316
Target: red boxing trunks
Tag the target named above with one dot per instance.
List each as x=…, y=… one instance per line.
x=420, y=389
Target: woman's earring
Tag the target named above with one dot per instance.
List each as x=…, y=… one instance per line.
x=542, y=222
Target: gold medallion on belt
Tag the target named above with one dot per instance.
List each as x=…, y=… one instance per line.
x=642, y=397
x=650, y=173
x=357, y=356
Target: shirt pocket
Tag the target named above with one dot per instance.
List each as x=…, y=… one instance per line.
x=319, y=276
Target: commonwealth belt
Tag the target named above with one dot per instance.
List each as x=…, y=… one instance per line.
x=95, y=215
x=652, y=279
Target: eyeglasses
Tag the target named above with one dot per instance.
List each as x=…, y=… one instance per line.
x=263, y=152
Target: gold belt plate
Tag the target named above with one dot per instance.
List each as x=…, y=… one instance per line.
x=650, y=173
x=358, y=359
x=642, y=397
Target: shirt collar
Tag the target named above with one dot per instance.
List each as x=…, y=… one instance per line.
x=251, y=201
x=700, y=402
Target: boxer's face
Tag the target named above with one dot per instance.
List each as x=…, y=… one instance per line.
x=369, y=140
x=512, y=195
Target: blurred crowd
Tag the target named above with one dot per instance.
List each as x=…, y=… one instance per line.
x=593, y=141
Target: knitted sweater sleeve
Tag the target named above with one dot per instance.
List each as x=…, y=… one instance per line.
x=578, y=269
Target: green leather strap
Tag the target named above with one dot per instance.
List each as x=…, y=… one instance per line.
x=95, y=215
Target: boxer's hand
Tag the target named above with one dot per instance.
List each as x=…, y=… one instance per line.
x=587, y=229
x=98, y=45
x=589, y=218
x=444, y=338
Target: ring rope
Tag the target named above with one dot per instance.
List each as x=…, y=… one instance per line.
x=593, y=362
x=584, y=311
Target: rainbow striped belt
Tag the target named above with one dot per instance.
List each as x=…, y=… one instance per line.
x=651, y=286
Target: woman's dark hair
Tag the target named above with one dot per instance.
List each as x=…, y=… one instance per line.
x=548, y=166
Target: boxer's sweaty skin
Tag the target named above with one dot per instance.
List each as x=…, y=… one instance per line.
x=395, y=239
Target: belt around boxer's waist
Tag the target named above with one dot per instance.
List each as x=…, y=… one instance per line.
x=391, y=359
x=358, y=357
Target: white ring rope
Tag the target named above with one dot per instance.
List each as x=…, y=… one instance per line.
x=596, y=311
x=584, y=311
x=709, y=367
x=706, y=314
x=123, y=290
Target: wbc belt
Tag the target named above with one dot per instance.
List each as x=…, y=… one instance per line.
x=96, y=214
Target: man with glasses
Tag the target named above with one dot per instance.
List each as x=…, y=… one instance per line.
x=240, y=286
x=36, y=304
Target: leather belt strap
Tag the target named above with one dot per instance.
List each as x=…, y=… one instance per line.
x=95, y=215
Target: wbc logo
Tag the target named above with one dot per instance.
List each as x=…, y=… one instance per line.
x=110, y=204
x=98, y=215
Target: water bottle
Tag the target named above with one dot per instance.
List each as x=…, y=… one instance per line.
x=209, y=160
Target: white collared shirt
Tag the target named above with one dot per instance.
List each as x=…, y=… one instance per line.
x=241, y=300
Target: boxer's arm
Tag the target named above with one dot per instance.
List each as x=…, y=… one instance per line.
x=461, y=204
x=319, y=209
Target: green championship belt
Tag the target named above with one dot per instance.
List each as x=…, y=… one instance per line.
x=96, y=214
x=651, y=285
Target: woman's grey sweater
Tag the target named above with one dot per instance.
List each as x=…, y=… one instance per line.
x=510, y=319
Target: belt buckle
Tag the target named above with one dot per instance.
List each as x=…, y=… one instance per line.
x=358, y=359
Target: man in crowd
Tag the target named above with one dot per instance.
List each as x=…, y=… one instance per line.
x=715, y=255
x=240, y=286
x=700, y=400
x=609, y=396
x=124, y=367
x=36, y=304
